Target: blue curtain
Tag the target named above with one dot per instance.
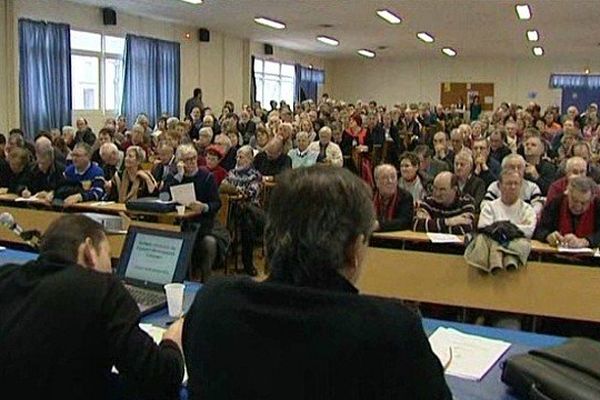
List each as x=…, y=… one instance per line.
x=151, y=78
x=579, y=97
x=44, y=76
x=307, y=81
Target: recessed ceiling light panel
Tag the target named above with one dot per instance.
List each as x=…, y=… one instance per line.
x=538, y=51
x=271, y=23
x=389, y=16
x=533, y=35
x=449, y=51
x=366, y=53
x=193, y=1
x=426, y=37
x=328, y=40
x=523, y=11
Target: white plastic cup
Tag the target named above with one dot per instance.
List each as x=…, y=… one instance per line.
x=180, y=209
x=174, y=293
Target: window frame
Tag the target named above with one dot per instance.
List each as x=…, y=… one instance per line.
x=279, y=78
x=102, y=56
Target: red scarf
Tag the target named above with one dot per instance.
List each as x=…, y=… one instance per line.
x=587, y=220
x=360, y=136
x=388, y=213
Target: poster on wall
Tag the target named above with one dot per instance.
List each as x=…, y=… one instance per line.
x=470, y=95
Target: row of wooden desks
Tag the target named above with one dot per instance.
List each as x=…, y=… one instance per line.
x=539, y=289
x=404, y=237
x=100, y=207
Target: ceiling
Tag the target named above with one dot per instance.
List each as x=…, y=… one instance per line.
x=475, y=28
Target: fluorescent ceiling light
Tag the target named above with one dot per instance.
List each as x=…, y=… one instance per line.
x=538, y=51
x=426, y=37
x=193, y=1
x=328, y=40
x=533, y=35
x=269, y=22
x=366, y=53
x=450, y=52
x=523, y=11
x=389, y=16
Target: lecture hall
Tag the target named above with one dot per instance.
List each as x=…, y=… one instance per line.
x=317, y=199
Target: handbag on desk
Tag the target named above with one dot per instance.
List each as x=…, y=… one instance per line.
x=570, y=371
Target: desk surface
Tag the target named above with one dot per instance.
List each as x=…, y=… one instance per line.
x=95, y=206
x=540, y=288
x=489, y=388
x=421, y=237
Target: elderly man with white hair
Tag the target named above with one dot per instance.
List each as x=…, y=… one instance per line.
x=467, y=182
x=206, y=205
x=112, y=159
x=393, y=206
x=529, y=192
x=328, y=152
x=47, y=173
x=301, y=156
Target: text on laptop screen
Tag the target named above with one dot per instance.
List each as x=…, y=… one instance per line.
x=153, y=258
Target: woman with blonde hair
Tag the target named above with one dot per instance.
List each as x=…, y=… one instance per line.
x=132, y=182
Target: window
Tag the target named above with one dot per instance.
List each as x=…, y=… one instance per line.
x=96, y=70
x=274, y=81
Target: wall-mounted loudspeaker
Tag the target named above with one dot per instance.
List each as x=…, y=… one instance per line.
x=109, y=16
x=268, y=49
x=204, y=35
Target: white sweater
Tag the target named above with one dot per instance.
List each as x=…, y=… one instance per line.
x=521, y=214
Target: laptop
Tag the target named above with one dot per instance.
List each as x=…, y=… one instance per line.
x=150, y=259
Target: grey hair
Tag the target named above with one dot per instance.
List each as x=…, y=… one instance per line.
x=582, y=184
x=381, y=168
x=172, y=122
x=247, y=149
x=68, y=129
x=206, y=131
x=571, y=162
x=184, y=149
x=512, y=157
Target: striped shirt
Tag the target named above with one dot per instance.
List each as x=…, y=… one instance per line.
x=437, y=214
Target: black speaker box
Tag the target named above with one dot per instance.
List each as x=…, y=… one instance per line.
x=268, y=49
x=109, y=16
x=204, y=35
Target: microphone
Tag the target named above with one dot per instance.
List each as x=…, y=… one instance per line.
x=30, y=237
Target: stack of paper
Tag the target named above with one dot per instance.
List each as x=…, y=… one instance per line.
x=466, y=356
x=443, y=238
x=575, y=250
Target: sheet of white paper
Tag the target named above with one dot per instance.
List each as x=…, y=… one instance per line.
x=466, y=356
x=443, y=238
x=574, y=250
x=102, y=203
x=183, y=194
x=2, y=248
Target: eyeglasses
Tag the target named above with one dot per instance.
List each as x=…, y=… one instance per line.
x=189, y=159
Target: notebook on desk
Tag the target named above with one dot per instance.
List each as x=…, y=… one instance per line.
x=150, y=259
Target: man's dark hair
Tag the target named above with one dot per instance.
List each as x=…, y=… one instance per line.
x=16, y=130
x=315, y=215
x=410, y=156
x=2, y=138
x=64, y=236
x=197, y=92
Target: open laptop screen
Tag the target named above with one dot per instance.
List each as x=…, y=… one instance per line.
x=154, y=257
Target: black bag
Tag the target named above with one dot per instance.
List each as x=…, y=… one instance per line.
x=150, y=204
x=570, y=371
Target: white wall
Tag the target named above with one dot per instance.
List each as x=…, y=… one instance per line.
x=389, y=82
x=220, y=67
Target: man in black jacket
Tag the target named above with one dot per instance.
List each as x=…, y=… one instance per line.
x=65, y=321
x=306, y=333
